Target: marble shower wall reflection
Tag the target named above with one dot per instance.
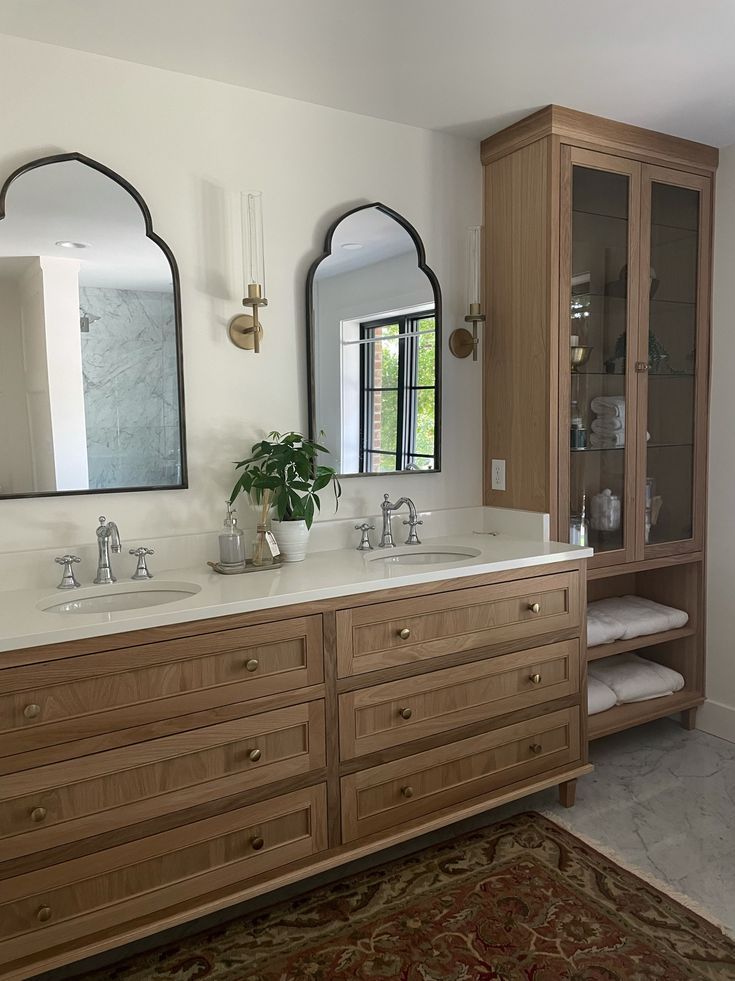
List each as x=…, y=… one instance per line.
x=130, y=388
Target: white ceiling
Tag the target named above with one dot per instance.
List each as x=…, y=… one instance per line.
x=379, y=236
x=68, y=201
x=466, y=66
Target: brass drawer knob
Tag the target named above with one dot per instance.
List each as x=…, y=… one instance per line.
x=257, y=843
x=535, y=678
x=534, y=607
x=405, y=713
x=404, y=634
x=407, y=791
x=44, y=914
x=252, y=665
x=254, y=755
x=32, y=711
x=38, y=814
x=535, y=747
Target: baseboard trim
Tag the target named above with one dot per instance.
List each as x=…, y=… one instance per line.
x=717, y=719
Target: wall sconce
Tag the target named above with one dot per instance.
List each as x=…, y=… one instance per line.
x=246, y=330
x=462, y=343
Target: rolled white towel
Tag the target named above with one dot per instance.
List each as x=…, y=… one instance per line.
x=639, y=616
x=608, y=425
x=609, y=442
x=608, y=405
x=602, y=627
x=600, y=698
x=634, y=679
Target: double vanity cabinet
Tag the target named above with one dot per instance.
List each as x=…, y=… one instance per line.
x=152, y=776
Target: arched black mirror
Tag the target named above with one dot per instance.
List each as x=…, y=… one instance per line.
x=91, y=391
x=374, y=342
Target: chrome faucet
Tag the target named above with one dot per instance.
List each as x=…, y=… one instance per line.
x=108, y=537
x=386, y=539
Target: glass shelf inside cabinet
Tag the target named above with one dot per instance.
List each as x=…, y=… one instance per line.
x=598, y=347
x=672, y=342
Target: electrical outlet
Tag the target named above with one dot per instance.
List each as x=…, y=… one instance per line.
x=497, y=475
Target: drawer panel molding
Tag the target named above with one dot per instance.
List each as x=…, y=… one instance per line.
x=50, y=805
x=384, y=635
x=385, y=796
x=387, y=715
x=70, y=899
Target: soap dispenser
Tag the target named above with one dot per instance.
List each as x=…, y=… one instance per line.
x=231, y=540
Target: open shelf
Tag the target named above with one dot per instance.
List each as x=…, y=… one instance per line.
x=636, y=713
x=648, y=640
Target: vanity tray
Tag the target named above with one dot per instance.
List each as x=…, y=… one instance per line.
x=224, y=570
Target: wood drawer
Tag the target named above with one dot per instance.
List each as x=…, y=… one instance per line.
x=76, y=697
x=75, y=898
x=51, y=805
x=385, y=796
x=387, y=715
x=403, y=631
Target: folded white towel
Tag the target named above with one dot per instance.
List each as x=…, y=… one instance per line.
x=602, y=628
x=600, y=698
x=610, y=442
x=639, y=616
x=608, y=405
x=608, y=425
x=634, y=679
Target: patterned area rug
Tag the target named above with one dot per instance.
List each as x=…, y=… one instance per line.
x=523, y=899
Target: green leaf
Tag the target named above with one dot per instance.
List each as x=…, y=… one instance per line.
x=309, y=512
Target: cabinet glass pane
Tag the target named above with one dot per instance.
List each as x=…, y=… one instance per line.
x=671, y=363
x=598, y=342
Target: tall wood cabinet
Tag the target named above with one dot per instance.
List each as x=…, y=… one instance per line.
x=596, y=367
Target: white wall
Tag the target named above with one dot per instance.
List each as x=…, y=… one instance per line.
x=190, y=146
x=718, y=714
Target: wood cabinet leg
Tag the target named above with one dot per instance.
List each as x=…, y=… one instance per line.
x=567, y=793
x=689, y=718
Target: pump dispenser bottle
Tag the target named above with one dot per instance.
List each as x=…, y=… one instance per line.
x=231, y=540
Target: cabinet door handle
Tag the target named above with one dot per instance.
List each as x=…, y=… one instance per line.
x=44, y=914
x=535, y=678
x=254, y=755
x=32, y=711
x=534, y=607
x=404, y=634
x=405, y=713
x=407, y=791
x=252, y=665
x=257, y=843
x=38, y=814
x=535, y=747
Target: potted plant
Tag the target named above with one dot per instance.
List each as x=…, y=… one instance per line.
x=282, y=473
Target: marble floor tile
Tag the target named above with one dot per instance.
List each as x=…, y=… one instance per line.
x=663, y=800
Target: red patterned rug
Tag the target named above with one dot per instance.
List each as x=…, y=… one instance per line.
x=523, y=899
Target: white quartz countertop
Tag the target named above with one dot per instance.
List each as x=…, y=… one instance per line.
x=323, y=575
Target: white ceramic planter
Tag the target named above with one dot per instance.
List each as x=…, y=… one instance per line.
x=292, y=538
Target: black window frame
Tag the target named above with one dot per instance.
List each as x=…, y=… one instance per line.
x=406, y=388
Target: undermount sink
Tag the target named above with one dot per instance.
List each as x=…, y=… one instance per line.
x=423, y=554
x=118, y=597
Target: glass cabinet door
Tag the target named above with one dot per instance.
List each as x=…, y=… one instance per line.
x=672, y=360
x=599, y=305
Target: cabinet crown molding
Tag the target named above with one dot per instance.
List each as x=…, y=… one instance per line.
x=583, y=129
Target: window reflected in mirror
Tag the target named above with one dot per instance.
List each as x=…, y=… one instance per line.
x=375, y=316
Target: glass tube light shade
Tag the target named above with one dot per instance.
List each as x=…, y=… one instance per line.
x=251, y=209
x=474, y=258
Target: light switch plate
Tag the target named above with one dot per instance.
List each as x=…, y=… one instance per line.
x=497, y=475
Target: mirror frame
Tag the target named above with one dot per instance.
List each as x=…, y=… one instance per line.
x=176, y=284
x=311, y=332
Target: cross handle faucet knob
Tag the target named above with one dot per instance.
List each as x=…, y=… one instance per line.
x=364, y=545
x=141, y=570
x=68, y=579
